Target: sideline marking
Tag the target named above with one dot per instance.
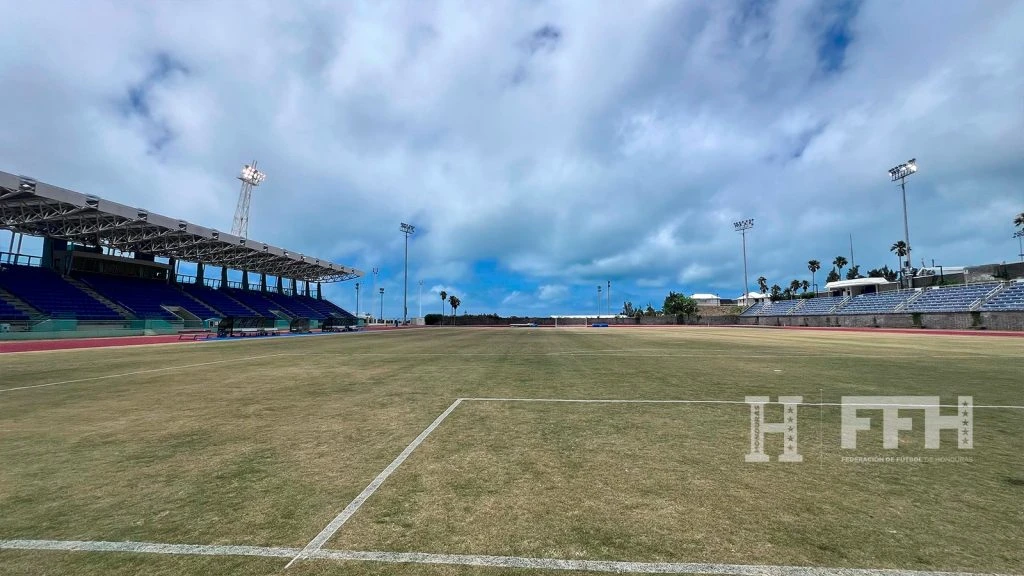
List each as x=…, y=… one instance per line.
x=629, y=401
x=471, y=560
x=145, y=548
x=137, y=372
x=316, y=543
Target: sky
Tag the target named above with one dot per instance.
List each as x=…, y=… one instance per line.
x=541, y=148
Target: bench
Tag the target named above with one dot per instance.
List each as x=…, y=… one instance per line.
x=194, y=334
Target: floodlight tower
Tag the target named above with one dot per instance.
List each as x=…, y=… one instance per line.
x=599, y=301
x=407, y=230
x=357, y=299
x=900, y=173
x=250, y=177
x=381, y=304
x=742, y=226
x=1019, y=235
x=421, y=300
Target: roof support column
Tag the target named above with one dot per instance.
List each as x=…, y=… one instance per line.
x=295, y=290
x=199, y=273
x=307, y=288
x=223, y=276
x=280, y=288
x=263, y=282
x=319, y=292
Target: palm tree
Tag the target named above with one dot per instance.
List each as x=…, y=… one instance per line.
x=804, y=285
x=839, y=262
x=900, y=249
x=793, y=287
x=1019, y=220
x=762, y=284
x=454, y=302
x=813, y=266
x=444, y=297
x=776, y=292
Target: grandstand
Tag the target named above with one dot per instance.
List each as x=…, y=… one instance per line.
x=80, y=279
x=986, y=296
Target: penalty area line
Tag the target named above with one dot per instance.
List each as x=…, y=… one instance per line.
x=317, y=542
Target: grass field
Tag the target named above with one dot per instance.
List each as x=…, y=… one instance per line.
x=264, y=443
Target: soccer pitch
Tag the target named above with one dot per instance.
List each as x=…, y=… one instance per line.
x=507, y=451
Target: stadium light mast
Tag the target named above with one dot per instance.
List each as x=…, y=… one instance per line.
x=901, y=173
x=608, y=297
x=407, y=230
x=742, y=226
x=357, y=299
x=250, y=177
x=1019, y=235
x=599, y=301
x=421, y=300
x=381, y=304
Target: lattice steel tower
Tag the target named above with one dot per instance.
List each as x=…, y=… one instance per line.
x=250, y=178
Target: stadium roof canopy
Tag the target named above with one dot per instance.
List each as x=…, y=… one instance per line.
x=39, y=209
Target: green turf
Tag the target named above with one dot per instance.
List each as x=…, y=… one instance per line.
x=263, y=443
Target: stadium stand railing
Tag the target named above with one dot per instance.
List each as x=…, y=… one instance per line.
x=220, y=301
x=1011, y=297
x=146, y=298
x=258, y=302
x=821, y=305
x=950, y=299
x=875, y=303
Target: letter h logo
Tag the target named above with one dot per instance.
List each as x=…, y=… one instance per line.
x=759, y=428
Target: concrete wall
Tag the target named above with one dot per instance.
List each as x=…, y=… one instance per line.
x=937, y=321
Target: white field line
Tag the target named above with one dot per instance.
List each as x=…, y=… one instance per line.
x=631, y=401
x=137, y=372
x=619, y=567
x=469, y=560
x=316, y=543
x=145, y=548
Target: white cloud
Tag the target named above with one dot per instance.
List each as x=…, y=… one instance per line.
x=552, y=292
x=623, y=149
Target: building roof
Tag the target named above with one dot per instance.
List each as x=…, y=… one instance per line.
x=752, y=295
x=38, y=209
x=840, y=284
x=705, y=297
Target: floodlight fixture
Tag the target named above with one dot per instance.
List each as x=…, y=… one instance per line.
x=407, y=230
x=250, y=178
x=901, y=172
x=742, y=226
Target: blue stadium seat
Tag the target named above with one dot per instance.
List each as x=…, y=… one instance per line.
x=9, y=313
x=217, y=300
x=145, y=298
x=1011, y=298
x=876, y=303
x=48, y=292
x=950, y=299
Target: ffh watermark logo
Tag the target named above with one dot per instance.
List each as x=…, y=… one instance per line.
x=852, y=423
x=893, y=423
x=788, y=428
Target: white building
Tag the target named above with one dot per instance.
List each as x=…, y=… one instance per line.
x=707, y=299
x=750, y=299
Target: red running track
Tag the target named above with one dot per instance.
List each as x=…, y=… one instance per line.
x=75, y=343
x=78, y=343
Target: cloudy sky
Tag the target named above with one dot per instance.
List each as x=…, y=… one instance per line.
x=540, y=147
